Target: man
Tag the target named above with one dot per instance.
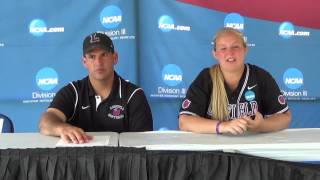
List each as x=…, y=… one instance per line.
x=102, y=101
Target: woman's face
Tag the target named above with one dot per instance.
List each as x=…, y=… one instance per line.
x=230, y=52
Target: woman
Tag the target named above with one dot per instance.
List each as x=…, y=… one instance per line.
x=233, y=97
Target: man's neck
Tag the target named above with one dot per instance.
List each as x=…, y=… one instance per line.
x=102, y=88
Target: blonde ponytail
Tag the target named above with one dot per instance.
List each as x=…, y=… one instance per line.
x=219, y=98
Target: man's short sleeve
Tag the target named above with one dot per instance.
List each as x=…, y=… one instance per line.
x=64, y=100
x=198, y=95
x=139, y=112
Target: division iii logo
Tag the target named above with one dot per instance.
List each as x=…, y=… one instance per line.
x=293, y=78
x=234, y=20
x=47, y=79
x=172, y=75
x=111, y=17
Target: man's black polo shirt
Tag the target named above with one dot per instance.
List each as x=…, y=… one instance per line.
x=126, y=109
x=256, y=91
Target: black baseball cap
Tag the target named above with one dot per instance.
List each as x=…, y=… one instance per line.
x=97, y=40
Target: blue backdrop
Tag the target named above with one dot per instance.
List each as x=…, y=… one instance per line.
x=162, y=46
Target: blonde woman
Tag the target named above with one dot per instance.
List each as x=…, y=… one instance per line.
x=231, y=96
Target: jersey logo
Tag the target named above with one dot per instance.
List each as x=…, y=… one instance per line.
x=116, y=112
x=281, y=99
x=249, y=95
x=186, y=103
x=85, y=107
x=251, y=87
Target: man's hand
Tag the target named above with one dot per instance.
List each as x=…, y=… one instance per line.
x=72, y=134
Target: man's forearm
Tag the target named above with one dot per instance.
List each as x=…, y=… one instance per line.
x=50, y=123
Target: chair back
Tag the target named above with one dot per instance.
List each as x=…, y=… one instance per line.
x=6, y=125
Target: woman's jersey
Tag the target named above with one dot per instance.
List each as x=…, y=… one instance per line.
x=256, y=91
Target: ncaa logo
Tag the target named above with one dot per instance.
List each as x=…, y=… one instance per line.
x=249, y=96
x=286, y=30
x=165, y=23
x=37, y=27
x=172, y=75
x=111, y=17
x=47, y=79
x=234, y=20
x=293, y=78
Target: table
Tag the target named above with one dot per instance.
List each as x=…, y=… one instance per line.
x=289, y=145
x=37, y=140
x=167, y=155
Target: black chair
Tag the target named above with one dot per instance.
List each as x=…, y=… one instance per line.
x=6, y=124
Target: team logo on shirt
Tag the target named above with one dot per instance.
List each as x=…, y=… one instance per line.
x=116, y=112
x=249, y=95
x=281, y=99
x=186, y=103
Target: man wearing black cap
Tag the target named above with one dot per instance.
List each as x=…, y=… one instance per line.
x=102, y=101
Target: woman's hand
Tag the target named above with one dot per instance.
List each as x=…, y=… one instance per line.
x=235, y=126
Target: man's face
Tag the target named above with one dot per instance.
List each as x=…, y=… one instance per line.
x=99, y=63
x=230, y=52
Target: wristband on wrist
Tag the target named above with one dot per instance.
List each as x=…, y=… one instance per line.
x=218, y=127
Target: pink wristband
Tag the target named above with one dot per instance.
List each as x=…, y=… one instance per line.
x=218, y=127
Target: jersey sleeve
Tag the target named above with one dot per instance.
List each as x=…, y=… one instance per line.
x=198, y=95
x=273, y=100
x=64, y=100
x=139, y=112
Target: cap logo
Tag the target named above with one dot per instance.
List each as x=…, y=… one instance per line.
x=94, y=38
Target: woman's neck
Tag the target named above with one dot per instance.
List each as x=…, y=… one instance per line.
x=232, y=79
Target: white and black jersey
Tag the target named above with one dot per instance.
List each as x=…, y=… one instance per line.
x=126, y=108
x=256, y=91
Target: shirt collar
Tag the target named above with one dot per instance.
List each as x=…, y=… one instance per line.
x=238, y=89
x=116, y=87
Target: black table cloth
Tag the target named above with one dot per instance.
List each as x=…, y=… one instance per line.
x=124, y=163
